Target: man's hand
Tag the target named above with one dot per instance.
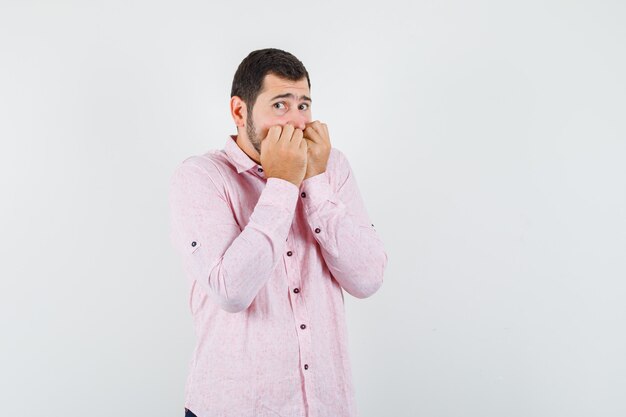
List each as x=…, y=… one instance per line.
x=318, y=148
x=283, y=154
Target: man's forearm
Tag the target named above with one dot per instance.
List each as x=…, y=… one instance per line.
x=231, y=264
x=353, y=252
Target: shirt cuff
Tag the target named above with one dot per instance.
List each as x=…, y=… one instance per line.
x=279, y=193
x=315, y=191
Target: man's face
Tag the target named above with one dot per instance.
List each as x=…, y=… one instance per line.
x=280, y=102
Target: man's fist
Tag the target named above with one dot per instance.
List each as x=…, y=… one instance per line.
x=284, y=154
x=318, y=148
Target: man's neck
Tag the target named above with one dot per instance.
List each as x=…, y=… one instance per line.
x=246, y=147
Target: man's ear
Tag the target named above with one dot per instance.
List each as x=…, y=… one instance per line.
x=238, y=111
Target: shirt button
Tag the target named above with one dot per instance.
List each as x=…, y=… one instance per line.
x=303, y=326
x=306, y=366
x=317, y=230
x=296, y=290
x=193, y=243
x=289, y=253
x=303, y=194
x=372, y=224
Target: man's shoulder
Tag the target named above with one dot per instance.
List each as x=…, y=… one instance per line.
x=213, y=162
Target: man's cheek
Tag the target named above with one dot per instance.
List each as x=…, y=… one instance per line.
x=263, y=133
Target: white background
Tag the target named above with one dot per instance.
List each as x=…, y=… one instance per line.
x=489, y=142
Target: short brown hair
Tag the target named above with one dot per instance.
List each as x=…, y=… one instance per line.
x=248, y=79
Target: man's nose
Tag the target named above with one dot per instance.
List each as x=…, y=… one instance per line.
x=297, y=121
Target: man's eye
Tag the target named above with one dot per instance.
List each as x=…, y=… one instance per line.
x=280, y=102
x=305, y=104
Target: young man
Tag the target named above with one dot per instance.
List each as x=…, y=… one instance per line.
x=270, y=229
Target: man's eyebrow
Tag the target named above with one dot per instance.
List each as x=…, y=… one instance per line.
x=291, y=96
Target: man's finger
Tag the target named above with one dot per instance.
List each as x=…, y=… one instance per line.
x=326, y=130
x=273, y=133
x=321, y=129
x=287, y=134
x=312, y=134
x=297, y=135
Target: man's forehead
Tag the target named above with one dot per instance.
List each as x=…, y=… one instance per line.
x=274, y=86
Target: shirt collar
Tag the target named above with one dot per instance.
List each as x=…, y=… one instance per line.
x=238, y=157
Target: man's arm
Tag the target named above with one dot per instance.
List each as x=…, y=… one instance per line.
x=230, y=264
x=340, y=223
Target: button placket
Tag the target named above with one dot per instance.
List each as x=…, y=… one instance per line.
x=304, y=337
x=300, y=315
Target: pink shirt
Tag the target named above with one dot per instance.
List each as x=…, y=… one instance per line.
x=266, y=263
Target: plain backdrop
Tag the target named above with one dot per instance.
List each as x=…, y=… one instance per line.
x=488, y=139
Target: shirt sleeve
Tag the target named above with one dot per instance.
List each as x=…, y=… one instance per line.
x=350, y=245
x=229, y=263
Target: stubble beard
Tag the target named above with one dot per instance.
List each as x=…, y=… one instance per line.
x=252, y=135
